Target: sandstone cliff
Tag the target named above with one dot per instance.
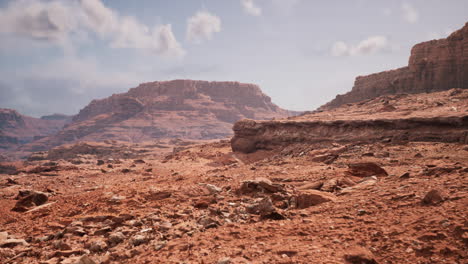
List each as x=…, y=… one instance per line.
x=434, y=65
x=185, y=109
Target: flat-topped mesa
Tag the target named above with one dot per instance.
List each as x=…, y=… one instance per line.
x=171, y=95
x=435, y=65
x=240, y=93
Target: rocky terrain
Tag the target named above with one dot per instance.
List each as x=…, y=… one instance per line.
x=433, y=66
x=17, y=129
x=321, y=201
x=184, y=109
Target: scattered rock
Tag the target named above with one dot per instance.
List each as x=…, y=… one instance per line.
x=225, y=260
x=330, y=185
x=208, y=222
x=210, y=188
x=405, y=175
x=12, y=242
x=96, y=245
x=261, y=185
x=78, y=260
x=311, y=186
x=100, y=162
x=309, y=198
x=139, y=240
x=263, y=206
x=155, y=194
x=326, y=158
x=115, y=238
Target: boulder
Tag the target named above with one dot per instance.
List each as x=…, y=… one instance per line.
x=29, y=199
x=433, y=197
x=366, y=169
x=359, y=255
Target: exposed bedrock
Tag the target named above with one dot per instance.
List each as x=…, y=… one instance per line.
x=250, y=135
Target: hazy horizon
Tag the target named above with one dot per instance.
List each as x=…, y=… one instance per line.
x=57, y=56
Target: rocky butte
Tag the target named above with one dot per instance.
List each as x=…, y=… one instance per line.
x=186, y=109
x=434, y=65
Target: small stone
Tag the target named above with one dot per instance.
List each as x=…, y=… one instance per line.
x=225, y=260
x=59, y=244
x=405, y=175
x=139, y=240
x=103, y=231
x=78, y=260
x=261, y=185
x=210, y=188
x=361, y=212
x=115, y=238
x=117, y=198
x=160, y=245
x=165, y=226
x=262, y=207
x=96, y=245
x=100, y=162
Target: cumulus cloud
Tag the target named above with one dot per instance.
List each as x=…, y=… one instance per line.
x=202, y=26
x=57, y=21
x=250, y=8
x=410, y=14
x=49, y=21
x=369, y=45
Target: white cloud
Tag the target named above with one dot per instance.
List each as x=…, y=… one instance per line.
x=410, y=14
x=202, y=26
x=250, y=8
x=339, y=49
x=370, y=45
x=58, y=21
x=51, y=21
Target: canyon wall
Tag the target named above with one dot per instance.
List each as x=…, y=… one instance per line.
x=434, y=65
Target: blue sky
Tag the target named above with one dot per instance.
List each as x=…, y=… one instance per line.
x=56, y=55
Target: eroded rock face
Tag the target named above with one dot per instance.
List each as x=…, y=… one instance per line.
x=267, y=135
x=434, y=65
x=170, y=109
x=431, y=117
